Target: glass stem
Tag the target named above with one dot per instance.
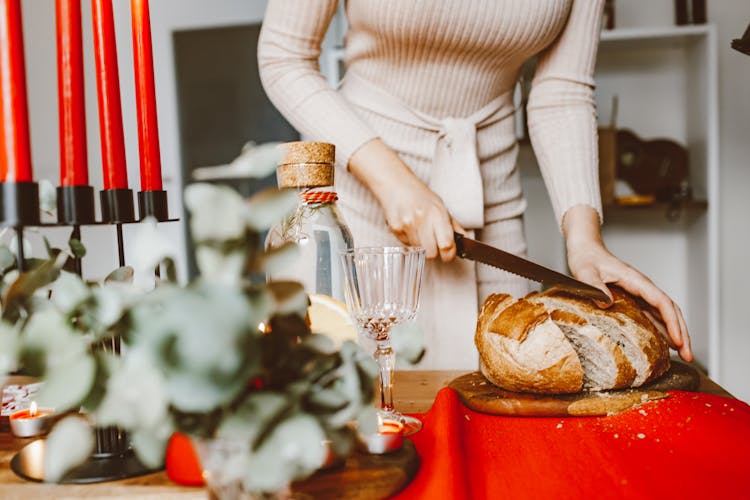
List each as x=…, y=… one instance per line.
x=385, y=357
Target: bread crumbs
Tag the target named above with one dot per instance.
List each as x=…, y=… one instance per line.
x=640, y=435
x=559, y=426
x=467, y=417
x=643, y=412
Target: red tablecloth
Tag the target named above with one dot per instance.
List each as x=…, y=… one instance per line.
x=687, y=446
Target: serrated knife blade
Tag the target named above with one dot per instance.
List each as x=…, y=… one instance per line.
x=486, y=254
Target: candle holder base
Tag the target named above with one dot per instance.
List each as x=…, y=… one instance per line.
x=28, y=463
x=153, y=204
x=117, y=206
x=75, y=205
x=20, y=203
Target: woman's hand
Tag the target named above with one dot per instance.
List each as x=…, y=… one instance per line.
x=415, y=214
x=591, y=262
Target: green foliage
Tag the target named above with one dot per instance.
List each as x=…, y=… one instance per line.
x=194, y=358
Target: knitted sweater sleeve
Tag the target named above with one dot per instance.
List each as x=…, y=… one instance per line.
x=562, y=112
x=288, y=51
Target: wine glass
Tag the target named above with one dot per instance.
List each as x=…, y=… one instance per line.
x=382, y=290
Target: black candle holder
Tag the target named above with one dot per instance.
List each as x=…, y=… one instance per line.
x=117, y=206
x=20, y=203
x=113, y=458
x=75, y=205
x=153, y=204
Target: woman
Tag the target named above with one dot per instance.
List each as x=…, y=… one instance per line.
x=424, y=129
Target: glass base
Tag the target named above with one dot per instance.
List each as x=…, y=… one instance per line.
x=410, y=425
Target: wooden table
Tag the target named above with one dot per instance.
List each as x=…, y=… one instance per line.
x=414, y=393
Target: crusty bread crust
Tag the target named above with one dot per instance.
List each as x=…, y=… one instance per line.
x=522, y=347
x=538, y=359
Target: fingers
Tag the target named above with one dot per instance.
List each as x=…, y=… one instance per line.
x=591, y=276
x=638, y=284
x=430, y=228
x=686, y=351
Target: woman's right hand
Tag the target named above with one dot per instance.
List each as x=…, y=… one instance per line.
x=415, y=214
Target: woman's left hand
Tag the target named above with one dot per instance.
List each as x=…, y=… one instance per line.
x=591, y=262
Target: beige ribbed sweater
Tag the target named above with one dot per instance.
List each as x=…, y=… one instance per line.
x=412, y=64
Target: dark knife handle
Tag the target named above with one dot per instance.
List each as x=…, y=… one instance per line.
x=459, y=239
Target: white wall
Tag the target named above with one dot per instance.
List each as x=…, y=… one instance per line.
x=732, y=17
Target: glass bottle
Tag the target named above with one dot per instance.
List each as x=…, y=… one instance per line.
x=316, y=225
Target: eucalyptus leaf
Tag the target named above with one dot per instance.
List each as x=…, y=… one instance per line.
x=294, y=450
x=150, y=247
x=408, y=342
x=24, y=287
x=290, y=297
x=220, y=267
x=120, y=275
x=277, y=260
x=69, y=291
x=217, y=212
x=255, y=161
x=67, y=385
x=77, y=248
x=253, y=416
x=269, y=207
x=136, y=395
x=50, y=332
x=150, y=444
x=69, y=444
x=195, y=393
x=319, y=343
x=367, y=421
x=47, y=197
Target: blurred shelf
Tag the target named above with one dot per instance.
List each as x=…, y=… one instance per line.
x=659, y=205
x=653, y=36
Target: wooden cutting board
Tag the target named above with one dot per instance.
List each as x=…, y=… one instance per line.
x=363, y=476
x=480, y=395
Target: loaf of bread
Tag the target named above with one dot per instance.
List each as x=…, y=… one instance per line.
x=556, y=343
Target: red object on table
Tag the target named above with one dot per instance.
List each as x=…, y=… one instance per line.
x=145, y=98
x=183, y=466
x=70, y=95
x=15, y=146
x=687, y=446
x=108, y=87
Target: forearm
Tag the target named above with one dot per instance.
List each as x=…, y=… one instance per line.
x=381, y=170
x=580, y=226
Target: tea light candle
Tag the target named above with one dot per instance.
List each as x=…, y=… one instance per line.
x=31, y=422
x=389, y=437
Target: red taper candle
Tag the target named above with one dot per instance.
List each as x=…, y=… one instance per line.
x=145, y=98
x=15, y=147
x=108, y=87
x=70, y=95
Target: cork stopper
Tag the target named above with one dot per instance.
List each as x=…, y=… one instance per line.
x=306, y=165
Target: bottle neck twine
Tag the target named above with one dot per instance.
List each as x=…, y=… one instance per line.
x=310, y=196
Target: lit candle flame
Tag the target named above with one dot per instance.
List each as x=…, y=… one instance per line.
x=262, y=327
x=33, y=409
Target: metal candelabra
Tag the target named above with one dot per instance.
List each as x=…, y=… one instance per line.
x=113, y=457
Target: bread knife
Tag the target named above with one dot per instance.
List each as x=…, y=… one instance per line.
x=480, y=252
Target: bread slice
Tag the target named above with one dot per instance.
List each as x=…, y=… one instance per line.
x=521, y=349
x=625, y=324
x=604, y=364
